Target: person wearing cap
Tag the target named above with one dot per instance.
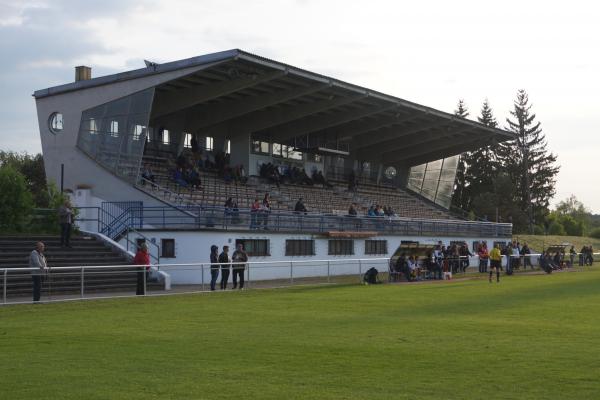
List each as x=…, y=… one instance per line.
x=37, y=261
x=142, y=258
x=214, y=266
x=225, y=262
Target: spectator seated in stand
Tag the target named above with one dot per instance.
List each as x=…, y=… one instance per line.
x=147, y=174
x=193, y=178
x=352, y=210
x=300, y=208
x=179, y=177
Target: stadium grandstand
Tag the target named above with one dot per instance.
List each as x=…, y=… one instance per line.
x=176, y=154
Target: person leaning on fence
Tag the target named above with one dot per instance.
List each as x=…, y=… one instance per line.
x=214, y=266
x=225, y=262
x=142, y=258
x=495, y=262
x=65, y=216
x=239, y=258
x=37, y=261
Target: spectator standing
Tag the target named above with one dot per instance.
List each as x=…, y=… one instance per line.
x=65, y=216
x=483, y=257
x=240, y=258
x=254, y=211
x=225, y=262
x=266, y=209
x=214, y=266
x=525, y=252
x=37, y=261
x=142, y=258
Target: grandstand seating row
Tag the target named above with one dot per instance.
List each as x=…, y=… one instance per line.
x=215, y=191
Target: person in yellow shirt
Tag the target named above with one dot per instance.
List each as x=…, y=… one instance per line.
x=495, y=262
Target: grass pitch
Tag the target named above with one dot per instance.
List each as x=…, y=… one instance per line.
x=529, y=337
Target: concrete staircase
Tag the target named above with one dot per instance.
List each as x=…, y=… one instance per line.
x=85, y=251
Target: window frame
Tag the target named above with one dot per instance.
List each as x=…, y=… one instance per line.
x=164, y=247
x=299, y=247
x=335, y=247
x=374, y=247
x=251, y=249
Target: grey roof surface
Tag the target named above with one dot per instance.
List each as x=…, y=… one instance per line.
x=377, y=125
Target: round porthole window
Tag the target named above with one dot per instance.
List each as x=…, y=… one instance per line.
x=55, y=122
x=390, y=172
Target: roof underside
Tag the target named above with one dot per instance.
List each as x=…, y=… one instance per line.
x=235, y=93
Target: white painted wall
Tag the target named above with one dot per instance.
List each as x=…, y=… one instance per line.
x=193, y=247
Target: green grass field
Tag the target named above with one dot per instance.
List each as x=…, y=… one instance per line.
x=529, y=337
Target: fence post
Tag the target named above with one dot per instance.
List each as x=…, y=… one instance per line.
x=292, y=272
x=202, y=280
x=359, y=268
x=145, y=272
x=248, y=277
x=82, y=272
x=4, y=288
x=328, y=279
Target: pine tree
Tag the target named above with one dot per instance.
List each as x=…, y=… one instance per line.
x=460, y=192
x=531, y=167
x=480, y=177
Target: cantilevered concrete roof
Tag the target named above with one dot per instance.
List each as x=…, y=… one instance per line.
x=235, y=93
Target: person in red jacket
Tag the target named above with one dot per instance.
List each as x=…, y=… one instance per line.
x=142, y=258
x=483, y=257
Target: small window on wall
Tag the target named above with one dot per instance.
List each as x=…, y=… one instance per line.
x=187, y=141
x=138, y=131
x=209, y=143
x=502, y=245
x=341, y=247
x=114, y=128
x=300, y=247
x=167, y=247
x=55, y=122
x=165, y=137
x=93, y=126
x=376, y=247
x=254, y=247
x=260, y=147
x=314, y=157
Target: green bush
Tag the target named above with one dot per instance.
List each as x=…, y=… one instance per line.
x=556, y=228
x=16, y=202
x=595, y=233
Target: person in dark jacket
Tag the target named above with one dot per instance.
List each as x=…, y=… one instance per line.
x=239, y=258
x=225, y=262
x=214, y=266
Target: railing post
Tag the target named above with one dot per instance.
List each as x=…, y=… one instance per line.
x=82, y=285
x=328, y=277
x=359, y=268
x=4, y=287
x=248, y=277
x=202, y=279
x=145, y=272
x=292, y=272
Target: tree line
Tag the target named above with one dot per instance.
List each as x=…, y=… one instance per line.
x=514, y=181
x=27, y=202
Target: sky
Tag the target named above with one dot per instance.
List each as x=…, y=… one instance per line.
x=429, y=52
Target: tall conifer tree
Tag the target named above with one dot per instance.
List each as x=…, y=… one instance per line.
x=460, y=193
x=531, y=167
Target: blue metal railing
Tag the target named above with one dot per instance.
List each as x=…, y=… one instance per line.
x=200, y=217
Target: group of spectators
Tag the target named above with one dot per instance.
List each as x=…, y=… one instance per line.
x=259, y=213
x=439, y=263
x=224, y=264
x=282, y=173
